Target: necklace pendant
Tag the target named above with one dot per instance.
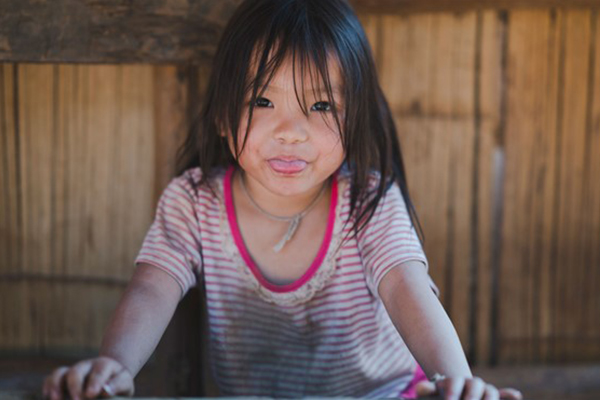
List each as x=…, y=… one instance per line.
x=288, y=235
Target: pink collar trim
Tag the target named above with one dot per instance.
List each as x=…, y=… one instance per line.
x=239, y=242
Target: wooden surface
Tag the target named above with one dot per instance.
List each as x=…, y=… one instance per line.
x=118, y=31
x=26, y=396
x=420, y=6
x=167, y=31
x=572, y=382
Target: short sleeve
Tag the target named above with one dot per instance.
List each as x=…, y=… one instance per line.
x=389, y=239
x=173, y=240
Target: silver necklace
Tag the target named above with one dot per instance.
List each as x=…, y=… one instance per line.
x=294, y=220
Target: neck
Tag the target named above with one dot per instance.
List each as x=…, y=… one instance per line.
x=278, y=205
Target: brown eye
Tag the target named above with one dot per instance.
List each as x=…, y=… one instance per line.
x=262, y=102
x=321, y=106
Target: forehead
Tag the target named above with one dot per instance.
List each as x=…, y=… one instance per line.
x=300, y=72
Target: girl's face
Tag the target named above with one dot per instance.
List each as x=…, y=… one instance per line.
x=288, y=153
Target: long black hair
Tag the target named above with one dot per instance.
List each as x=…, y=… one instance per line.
x=262, y=33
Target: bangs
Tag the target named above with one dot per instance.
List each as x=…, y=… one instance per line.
x=308, y=64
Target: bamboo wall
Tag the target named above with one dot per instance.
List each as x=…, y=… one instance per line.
x=498, y=114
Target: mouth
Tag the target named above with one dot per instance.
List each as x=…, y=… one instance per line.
x=287, y=166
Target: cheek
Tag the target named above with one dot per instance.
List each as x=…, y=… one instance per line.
x=329, y=135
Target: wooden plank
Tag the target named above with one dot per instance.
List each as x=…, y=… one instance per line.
x=172, y=85
x=107, y=113
x=36, y=123
x=546, y=140
x=111, y=32
x=433, y=109
x=168, y=31
x=10, y=260
x=591, y=225
x=411, y=6
x=525, y=276
x=66, y=320
x=570, y=196
x=86, y=148
x=546, y=131
x=372, y=26
x=491, y=32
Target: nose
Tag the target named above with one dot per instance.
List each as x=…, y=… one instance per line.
x=291, y=129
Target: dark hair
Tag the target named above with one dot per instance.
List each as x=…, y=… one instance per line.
x=263, y=33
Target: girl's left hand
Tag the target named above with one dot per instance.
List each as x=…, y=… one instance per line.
x=466, y=389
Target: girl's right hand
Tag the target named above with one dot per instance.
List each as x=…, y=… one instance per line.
x=92, y=378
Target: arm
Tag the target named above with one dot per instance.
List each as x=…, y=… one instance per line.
x=422, y=321
x=141, y=317
x=135, y=329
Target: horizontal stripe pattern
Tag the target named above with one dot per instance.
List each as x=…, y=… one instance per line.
x=341, y=342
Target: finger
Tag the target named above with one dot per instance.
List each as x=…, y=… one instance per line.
x=100, y=373
x=54, y=383
x=120, y=384
x=451, y=388
x=474, y=389
x=425, y=388
x=491, y=393
x=76, y=378
x=510, y=394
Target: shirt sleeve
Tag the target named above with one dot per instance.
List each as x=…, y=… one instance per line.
x=389, y=239
x=173, y=240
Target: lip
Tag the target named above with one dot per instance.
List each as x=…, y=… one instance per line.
x=287, y=165
x=287, y=158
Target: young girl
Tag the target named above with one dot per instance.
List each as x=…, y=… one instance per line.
x=291, y=207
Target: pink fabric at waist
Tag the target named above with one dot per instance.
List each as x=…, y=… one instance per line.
x=411, y=390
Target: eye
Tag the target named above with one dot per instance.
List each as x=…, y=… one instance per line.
x=262, y=102
x=321, y=106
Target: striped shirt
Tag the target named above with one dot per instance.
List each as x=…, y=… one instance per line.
x=326, y=334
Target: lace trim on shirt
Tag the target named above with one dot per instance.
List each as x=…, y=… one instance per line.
x=308, y=289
